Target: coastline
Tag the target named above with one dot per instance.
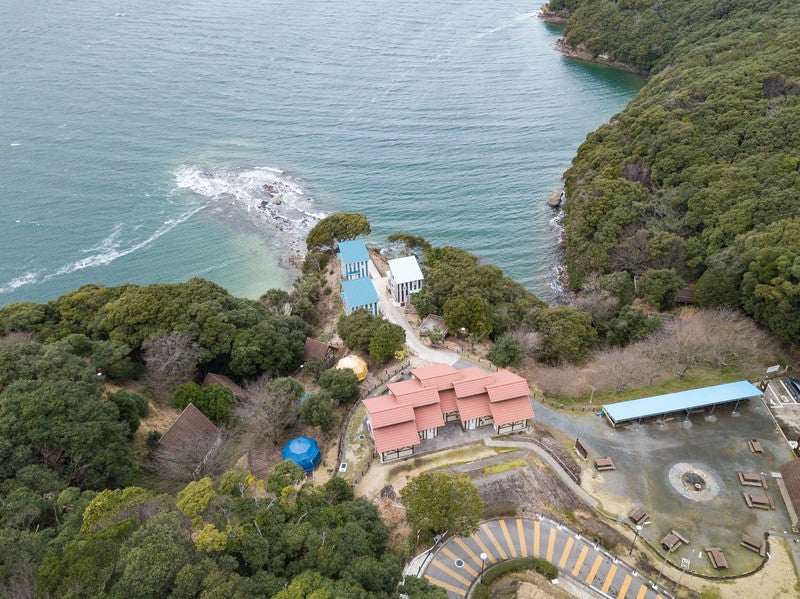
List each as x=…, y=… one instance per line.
x=557, y=18
x=580, y=52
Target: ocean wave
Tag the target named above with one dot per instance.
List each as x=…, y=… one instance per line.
x=109, y=248
x=26, y=279
x=264, y=191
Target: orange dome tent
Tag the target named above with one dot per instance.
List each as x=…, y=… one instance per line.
x=355, y=364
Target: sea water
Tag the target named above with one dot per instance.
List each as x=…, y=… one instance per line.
x=153, y=142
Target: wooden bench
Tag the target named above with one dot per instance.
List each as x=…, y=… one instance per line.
x=673, y=540
x=761, y=502
x=604, y=464
x=753, y=544
x=717, y=557
x=755, y=446
x=638, y=515
x=752, y=479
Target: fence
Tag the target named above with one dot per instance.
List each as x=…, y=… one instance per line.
x=575, y=476
x=385, y=376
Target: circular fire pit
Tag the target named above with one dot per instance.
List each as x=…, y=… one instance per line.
x=693, y=481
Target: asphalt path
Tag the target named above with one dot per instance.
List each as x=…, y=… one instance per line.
x=393, y=313
x=456, y=564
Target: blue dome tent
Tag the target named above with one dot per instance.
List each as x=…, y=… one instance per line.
x=304, y=452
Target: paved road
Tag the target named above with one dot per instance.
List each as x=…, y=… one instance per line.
x=456, y=565
x=393, y=314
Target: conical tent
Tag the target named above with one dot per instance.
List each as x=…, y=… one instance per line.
x=355, y=364
x=304, y=452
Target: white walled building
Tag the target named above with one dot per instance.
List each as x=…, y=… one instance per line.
x=405, y=278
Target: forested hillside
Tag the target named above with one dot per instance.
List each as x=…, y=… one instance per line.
x=698, y=179
x=82, y=516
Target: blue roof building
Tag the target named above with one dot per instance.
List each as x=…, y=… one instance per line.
x=359, y=293
x=680, y=402
x=353, y=257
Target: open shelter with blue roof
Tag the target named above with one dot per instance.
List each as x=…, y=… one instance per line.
x=679, y=402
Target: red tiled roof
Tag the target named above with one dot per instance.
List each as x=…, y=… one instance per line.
x=384, y=411
x=440, y=376
x=447, y=401
x=473, y=383
x=428, y=417
x=476, y=406
x=395, y=436
x=511, y=410
x=508, y=389
x=412, y=392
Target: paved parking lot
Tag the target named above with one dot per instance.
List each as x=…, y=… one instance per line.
x=715, y=445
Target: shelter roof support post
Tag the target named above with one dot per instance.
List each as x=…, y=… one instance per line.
x=736, y=407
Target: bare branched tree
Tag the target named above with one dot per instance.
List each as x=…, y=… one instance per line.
x=169, y=362
x=270, y=406
x=621, y=369
x=195, y=457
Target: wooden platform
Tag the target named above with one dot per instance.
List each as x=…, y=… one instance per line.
x=638, y=515
x=755, y=446
x=673, y=540
x=717, y=557
x=757, y=545
x=604, y=464
x=753, y=479
x=761, y=502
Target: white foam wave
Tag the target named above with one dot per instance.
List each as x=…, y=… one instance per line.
x=264, y=191
x=108, y=250
x=26, y=279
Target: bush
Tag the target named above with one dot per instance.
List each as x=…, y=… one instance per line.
x=152, y=439
x=506, y=352
x=215, y=402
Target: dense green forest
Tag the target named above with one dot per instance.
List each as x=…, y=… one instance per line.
x=82, y=516
x=698, y=179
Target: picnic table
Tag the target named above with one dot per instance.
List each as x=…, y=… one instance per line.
x=761, y=502
x=752, y=479
x=604, y=464
x=673, y=540
x=754, y=544
x=717, y=557
x=755, y=446
x=638, y=515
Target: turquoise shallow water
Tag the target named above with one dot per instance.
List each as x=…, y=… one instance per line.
x=136, y=141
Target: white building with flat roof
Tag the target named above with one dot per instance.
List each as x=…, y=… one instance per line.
x=405, y=278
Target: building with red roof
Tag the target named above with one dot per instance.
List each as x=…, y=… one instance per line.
x=413, y=410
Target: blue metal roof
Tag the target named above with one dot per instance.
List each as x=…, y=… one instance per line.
x=359, y=292
x=677, y=402
x=353, y=251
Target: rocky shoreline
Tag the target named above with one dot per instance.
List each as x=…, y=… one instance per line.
x=559, y=17
x=580, y=52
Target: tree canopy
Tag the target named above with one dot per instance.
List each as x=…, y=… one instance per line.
x=340, y=226
x=438, y=502
x=470, y=295
x=700, y=173
x=67, y=428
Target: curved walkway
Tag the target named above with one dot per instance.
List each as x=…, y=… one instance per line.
x=393, y=314
x=456, y=564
